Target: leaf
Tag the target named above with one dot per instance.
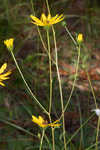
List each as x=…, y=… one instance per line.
x=18, y=127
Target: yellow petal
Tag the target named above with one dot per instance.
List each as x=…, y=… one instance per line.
x=6, y=74
x=80, y=37
x=43, y=18
x=41, y=119
x=43, y=125
x=35, y=19
x=9, y=43
x=3, y=67
x=38, y=24
x=54, y=125
x=60, y=18
x=2, y=83
x=3, y=78
x=49, y=17
x=54, y=18
x=46, y=21
x=35, y=119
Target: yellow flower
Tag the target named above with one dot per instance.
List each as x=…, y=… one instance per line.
x=4, y=76
x=46, y=21
x=9, y=44
x=43, y=123
x=80, y=38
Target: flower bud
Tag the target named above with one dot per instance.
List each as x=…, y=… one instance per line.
x=9, y=44
x=80, y=38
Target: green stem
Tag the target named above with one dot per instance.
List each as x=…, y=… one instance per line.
x=27, y=84
x=97, y=133
x=91, y=89
x=38, y=28
x=43, y=132
x=53, y=138
x=75, y=133
x=49, y=53
x=50, y=68
x=81, y=136
x=42, y=39
x=46, y=138
x=32, y=7
x=6, y=5
x=71, y=36
x=91, y=147
x=48, y=6
x=60, y=86
x=59, y=80
x=77, y=65
x=76, y=74
x=18, y=127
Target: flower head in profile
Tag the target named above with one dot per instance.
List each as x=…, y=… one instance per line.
x=46, y=20
x=4, y=75
x=9, y=43
x=43, y=123
x=80, y=38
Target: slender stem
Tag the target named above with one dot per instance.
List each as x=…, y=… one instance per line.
x=49, y=143
x=81, y=136
x=97, y=133
x=71, y=36
x=76, y=74
x=6, y=5
x=27, y=84
x=92, y=89
x=91, y=147
x=77, y=65
x=49, y=53
x=42, y=40
x=43, y=132
x=48, y=6
x=60, y=86
x=32, y=6
x=75, y=133
x=18, y=127
x=53, y=138
x=59, y=80
x=50, y=104
x=38, y=28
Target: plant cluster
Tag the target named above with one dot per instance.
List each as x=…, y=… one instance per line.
x=57, y=130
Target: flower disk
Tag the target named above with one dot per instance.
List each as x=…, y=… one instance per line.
x=4, y=76
x=46, y=21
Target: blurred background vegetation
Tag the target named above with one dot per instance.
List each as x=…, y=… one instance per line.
x=16, y=105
